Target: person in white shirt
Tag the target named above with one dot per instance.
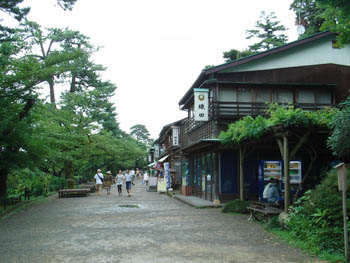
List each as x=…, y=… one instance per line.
x=132, y=172
x=119, y=180
x=99, y=181
x=146, y=178
x=128, y=181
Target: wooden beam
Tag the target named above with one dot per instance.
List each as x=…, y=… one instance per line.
x=280, y=146
x=301, y=141
x=286, y=173
x=242, y=150
x=217, y=174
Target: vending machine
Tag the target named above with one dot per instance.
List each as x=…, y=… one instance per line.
x=295, y=176
x=274, y=169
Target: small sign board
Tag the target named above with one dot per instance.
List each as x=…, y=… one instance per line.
x=201, y=105
x=341, y=168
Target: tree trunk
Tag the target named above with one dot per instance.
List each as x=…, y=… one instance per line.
x=52, y=92
x=73, y=83
x=68, y=172
x=3, y=182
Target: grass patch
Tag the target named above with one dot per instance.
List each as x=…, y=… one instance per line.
x=303, y=245
x=237, y=206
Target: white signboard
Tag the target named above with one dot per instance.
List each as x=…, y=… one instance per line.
x=156, y=151
x=201, y=104
x=167, y=174
x=176, y=132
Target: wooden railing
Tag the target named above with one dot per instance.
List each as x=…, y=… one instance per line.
x=236, y=110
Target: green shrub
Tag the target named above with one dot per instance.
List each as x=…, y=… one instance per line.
x=272, y=223
x=317, y=217
x=236, y=206
x=56, y=183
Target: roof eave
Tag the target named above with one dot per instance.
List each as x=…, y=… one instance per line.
x=269, y=52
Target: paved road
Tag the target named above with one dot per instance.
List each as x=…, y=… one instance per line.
x=112, y=229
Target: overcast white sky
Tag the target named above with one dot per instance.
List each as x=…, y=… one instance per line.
x=155, y=49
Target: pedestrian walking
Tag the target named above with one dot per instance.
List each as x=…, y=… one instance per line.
x=99, y=181
x=132, y=172
x=128, y=181
x=108, y=182
x=146, y=178
x=119, y=181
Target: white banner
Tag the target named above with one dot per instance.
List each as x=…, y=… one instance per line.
x=167, y=175
x=176, y=132
x=201, y=104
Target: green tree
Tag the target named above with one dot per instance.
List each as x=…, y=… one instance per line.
x=308, y=13
x=141, y=134
x=20, y=74
x=336, y=14
x=319, y=15
x=339, y=141
x=269, y=31
x=234, y=54
x=52, y=44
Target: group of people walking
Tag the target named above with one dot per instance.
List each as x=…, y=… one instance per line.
x=127, y=176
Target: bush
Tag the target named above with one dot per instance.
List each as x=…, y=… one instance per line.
x=236, y=206
x=317, y=217
x=38, y=182
x=57, y=183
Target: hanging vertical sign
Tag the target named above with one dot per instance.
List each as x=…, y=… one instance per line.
x=201, y=104
x=167, y=175
x=156, y=151
x=176, y=132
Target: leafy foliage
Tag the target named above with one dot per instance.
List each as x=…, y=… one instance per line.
x=339, y=141
x=317, y=217
x=43, y=146
x=236, y=206
x=318, y=15
x=249, y=128
x=310, y=16
x=234, y=54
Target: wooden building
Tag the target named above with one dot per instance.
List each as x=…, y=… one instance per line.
x=310, y=73
x=171, y=138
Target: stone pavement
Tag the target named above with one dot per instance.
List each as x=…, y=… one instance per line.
x=146, y=227
x=194, y=201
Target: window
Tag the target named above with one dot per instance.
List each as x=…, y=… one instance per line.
x=243, y=95
x=227, y=95
x=284, y=96
x=227, y=99
x=323, y=96
x=262, y=95
x=306, y=96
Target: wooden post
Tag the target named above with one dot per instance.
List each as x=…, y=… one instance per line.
x=241, y=173
x=342, y=178
x=286, y=173
x=345, y=219
x=217, y=173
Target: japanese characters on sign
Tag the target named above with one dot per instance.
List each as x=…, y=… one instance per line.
x=167, y=175
x=176, y=132
x=201, y=104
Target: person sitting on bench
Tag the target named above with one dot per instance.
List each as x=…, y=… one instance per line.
x=271, y=193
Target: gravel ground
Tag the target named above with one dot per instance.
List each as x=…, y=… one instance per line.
x=111, y=228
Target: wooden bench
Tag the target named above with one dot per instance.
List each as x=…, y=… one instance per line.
x=73, y=192
x=261, y=211
x=91, y=187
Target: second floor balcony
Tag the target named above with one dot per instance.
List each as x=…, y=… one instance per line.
x=232, y=111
